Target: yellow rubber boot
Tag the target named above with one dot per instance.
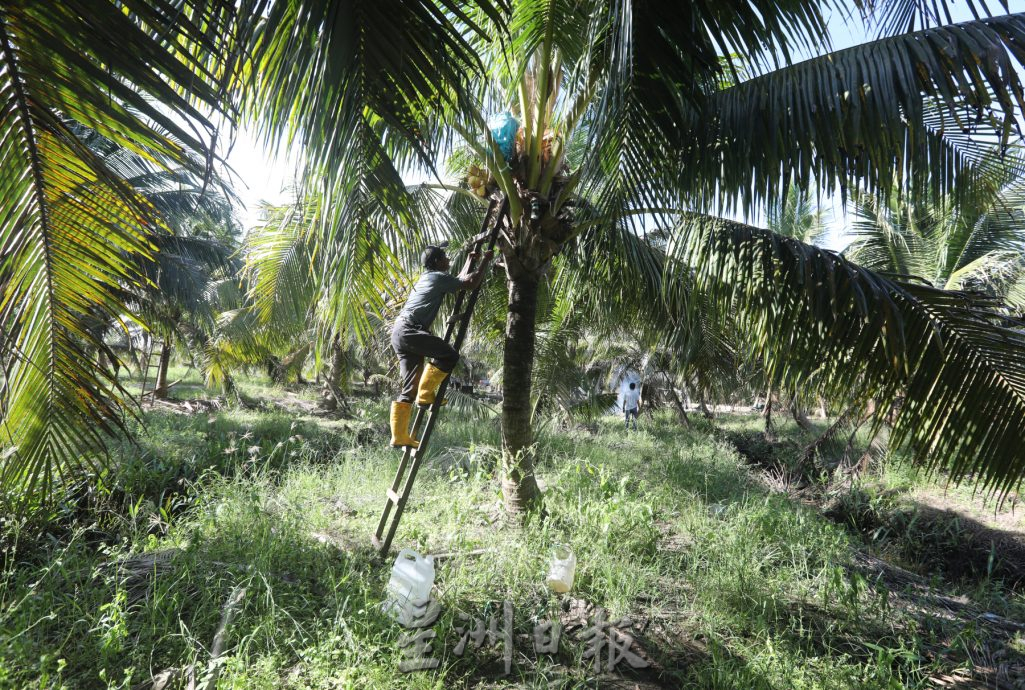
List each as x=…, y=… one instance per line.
x=400, y=425
x=429, y=382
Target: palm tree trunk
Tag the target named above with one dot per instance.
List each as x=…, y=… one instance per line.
x=333, y=396
x=519, y=487
x=680, y=409
x=705, y=412
x=874, y=444
x=799, y=416
x=160, y=389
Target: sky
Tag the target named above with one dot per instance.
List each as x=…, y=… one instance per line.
x=258, y=175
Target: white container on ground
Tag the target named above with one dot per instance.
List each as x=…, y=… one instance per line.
x=560, y=574
x=412, y=578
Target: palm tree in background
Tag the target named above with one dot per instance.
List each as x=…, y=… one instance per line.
x=177, y=304
x=975, y=245
x=671, y=126
x=798, y=216
x=192, y=256
x=286, y=308
x=192, y=249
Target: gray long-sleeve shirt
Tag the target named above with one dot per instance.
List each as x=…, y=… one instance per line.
x=424, y=302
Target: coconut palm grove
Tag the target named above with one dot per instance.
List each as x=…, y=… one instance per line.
x=618, y=344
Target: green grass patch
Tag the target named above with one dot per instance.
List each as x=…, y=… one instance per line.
x=736, y=587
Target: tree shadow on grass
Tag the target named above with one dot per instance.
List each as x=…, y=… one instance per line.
x=174, y=450
x=909, y=630
x=303, y=588
x=711, y=474
x=926, y=633
x=937, y=542
x=158, y=471
x=298, y=587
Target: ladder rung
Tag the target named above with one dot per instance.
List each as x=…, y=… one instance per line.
x=480, y=238
x=477, y=240
x=395, y=498
x=455, y=318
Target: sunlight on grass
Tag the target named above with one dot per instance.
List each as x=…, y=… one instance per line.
x=740, y=587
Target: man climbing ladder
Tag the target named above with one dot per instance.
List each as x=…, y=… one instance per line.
x=412, y=340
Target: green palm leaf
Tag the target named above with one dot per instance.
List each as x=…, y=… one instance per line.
x=951, y=361
x=971, y=244
x=281, y=270
x=899, y=16
x=71, y=227
x=859, y=115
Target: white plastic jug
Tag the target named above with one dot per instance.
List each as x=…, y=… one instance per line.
x=560, y=574
x=412, y=578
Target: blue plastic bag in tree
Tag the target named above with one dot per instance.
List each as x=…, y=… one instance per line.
x=503, y=128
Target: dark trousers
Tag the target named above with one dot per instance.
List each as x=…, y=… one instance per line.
x=632, y=412
x=412, y=343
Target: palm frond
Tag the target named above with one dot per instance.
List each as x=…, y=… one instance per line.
x=281, y=271
x=797, y=216
x=361, y=245
x=71, y=226
x=903, y=16
x=965, y=241
x=890, y=239
x=237, y=344
x=859, y=116
x=554, y=379
x=321, y=72
x=178, y=279
x=951, y=362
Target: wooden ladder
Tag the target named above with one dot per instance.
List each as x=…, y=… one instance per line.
x=427, y=416
x=148, y=366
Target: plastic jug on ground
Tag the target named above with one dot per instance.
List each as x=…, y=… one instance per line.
x=560, y=574
x=412, y=578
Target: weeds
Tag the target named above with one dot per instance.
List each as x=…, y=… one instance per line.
x=738, y=586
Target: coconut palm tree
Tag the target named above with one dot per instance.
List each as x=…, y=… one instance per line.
x=673, y=127
x=974, y=245
x=71, y=226
x=675, y=130
x=194, y=253
x=192, y=246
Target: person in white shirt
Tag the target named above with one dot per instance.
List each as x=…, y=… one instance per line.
x=631, y=403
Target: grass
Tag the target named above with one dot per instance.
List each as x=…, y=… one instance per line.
x=741, y=587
